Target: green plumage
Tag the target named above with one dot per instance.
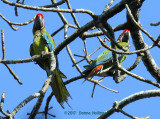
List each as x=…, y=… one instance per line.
x=108, y=64
x=105, y=59
x=121, y=58
x=43, y=42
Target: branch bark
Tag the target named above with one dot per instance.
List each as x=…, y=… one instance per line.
x=139, y=43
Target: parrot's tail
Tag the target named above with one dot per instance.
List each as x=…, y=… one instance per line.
x=60, y=91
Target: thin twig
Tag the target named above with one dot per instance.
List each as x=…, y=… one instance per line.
x=55, y=4
x=135, y=64
x=94, y=86
x=16, y=8
x=139, y=77
x=13, y=23
x=108, y=5
x=127, y=53
x=47, y=104
x=1, y=106
x=3, y=43
x=73, y=60
x=40, y=99
x=49, y=9
x=155, y=24
x=132, y=117
x=97, y=82
x=13, y=74
x=72, y=14
x=111, y=39
x=137, y=24
x=64, y=20
x=58, y=30
x=86, y=53
x=3, y=58
x=99, y=33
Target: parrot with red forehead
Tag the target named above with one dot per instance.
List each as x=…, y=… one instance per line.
x=105, y=59
x=43, y=42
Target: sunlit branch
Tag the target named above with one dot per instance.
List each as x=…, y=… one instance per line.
x=108, y=5
x=13, y=23
x=49, y=9
x=3, y=58
x=99, y=33
x=139, y=77
x=137, y=24
x=73, y=15
x=128, y=100
x=127, y=53
x=55, y=4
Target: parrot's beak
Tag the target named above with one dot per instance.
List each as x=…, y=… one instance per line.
x=126, y=36
x=39, y=22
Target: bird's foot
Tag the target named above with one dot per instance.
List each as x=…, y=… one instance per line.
x=43, y=53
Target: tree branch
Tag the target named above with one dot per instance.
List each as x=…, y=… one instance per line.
x=128, y=100
x=140, y=44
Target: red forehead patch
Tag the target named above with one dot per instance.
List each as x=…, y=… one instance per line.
x=39, y=14
x=126, y=30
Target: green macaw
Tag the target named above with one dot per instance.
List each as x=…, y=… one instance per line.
x=43, y=42
x=105, y=59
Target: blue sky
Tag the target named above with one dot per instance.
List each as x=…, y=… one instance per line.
x=17, y=45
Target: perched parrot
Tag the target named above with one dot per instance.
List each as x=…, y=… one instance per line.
x=43, y=42
x=105, y=59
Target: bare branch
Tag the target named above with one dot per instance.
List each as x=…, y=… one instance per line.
x=55, y=4
x=116, y=75
x=139, y=43
x=34, y=58
x=24, y=102
x=73, y=60
x=13, y=74
x=126, y=114
x=73, y=16
x=13, y=23
x=3, y=43
x=58, y=30
x=49, y=9
x=45, y=86
x=99, y=33
x=16, y=9
x=97, y=82
x=111, y=39
x=3, y=58
x=47, y=104
x=137, y=25
x=1, y=105
x=108, y=5
x=139, y=78
x=127, y=53
x=64, y=20
x=128, y=100
x=155, y=24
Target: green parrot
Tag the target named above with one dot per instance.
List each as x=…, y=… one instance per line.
x=43, y=42
x=105, y=59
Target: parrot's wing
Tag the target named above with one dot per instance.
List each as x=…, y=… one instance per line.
x=62, y=75
x=106, y=57
x=86, y=66
x=48, y=41
x=31, y=50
